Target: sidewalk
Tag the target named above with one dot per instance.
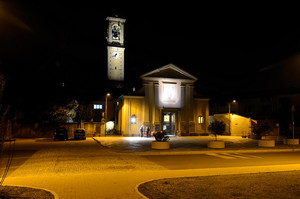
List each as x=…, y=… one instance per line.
x=187, y=145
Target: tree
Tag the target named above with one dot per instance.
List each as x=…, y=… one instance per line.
x=85, y=111
x=262, y=127
x=3, y=110
x=58, y=115
x=217, y=128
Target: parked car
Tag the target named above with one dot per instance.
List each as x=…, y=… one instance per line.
x=61, y=134
x=79, y=134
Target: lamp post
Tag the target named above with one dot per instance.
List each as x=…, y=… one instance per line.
x=107, y=95
x=233, y=101
x=293, y=121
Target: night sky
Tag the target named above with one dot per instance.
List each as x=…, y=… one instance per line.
x=45, y=43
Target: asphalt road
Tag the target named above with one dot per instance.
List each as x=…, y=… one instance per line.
x=86, y=169
x=220, y=160
x=42, y=156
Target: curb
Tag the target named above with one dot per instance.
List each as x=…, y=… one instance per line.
x=210, y=151
x=137, y=190
x=254, y=169
x=204, y=151
x=48, y=190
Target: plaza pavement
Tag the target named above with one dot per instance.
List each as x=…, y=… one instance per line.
x=187, y=145
x=114, y=177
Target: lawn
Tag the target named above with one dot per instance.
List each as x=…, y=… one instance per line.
x=259, y=185
x=23, y=192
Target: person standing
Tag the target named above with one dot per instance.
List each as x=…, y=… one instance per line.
x=142, y=131
x=147, y=131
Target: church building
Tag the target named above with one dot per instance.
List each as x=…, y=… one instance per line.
x=166, y=102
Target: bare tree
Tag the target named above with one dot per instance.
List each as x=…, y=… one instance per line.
x=4, y=132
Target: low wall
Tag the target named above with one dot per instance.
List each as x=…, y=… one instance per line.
x=30, y=131
x=39, y=131
x=91, y=129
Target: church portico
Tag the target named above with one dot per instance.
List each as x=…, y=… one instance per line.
x=166, y=103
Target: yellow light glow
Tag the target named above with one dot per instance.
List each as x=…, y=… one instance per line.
x=133, y=119
x=110, y=125
x=200, y=120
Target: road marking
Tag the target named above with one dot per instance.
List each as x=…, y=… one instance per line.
x=220, y=156
x=232, y=155
x=236, y=155
x=251, y=156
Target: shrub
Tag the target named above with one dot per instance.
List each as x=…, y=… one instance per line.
x=217, y=128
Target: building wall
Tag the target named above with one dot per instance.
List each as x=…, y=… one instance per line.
x=129, y=106
x=201, y=109
x=168, y=90
x=148, y=113
x=239, y=125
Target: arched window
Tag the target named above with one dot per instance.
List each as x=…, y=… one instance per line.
x=133, y=119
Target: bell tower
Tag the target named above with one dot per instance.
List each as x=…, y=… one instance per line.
x=115, y=48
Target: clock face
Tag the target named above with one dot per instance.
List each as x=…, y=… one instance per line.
x=115, y=55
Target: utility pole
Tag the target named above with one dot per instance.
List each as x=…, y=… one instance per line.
x=293, y=125
x=233, y=101
x=293, y=120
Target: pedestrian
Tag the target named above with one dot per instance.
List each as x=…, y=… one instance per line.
x=147, y=131
x=142, y=131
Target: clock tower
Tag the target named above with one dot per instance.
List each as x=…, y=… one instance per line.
x=115, y=48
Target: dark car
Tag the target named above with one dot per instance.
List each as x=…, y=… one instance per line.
x=61, y=134
x=79, y=134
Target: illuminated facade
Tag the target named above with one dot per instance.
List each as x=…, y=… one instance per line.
x=239, y=125
x=115, y=49
x=166, y=102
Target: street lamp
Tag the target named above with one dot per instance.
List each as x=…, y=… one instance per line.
x=107, y=95
x=233, y=101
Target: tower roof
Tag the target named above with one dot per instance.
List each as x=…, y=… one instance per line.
x=116, y=19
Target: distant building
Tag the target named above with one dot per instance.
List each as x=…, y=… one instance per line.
x=167, y=101
x=239, y=125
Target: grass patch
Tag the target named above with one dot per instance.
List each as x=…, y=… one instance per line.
x=259, y=185
x=24, y=192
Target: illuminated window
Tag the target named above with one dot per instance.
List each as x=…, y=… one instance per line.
x=97, y=106
x=169, y=93
x=200, y=119
x=133, y=119
x=166, y=118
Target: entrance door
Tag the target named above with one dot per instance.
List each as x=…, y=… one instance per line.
x=169, y=123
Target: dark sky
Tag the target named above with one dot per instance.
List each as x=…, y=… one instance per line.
x=58, y=41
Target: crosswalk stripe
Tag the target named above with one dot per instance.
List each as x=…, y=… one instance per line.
x=236, y=155
x=251, y=156
x=232, y=155
x=220, y=156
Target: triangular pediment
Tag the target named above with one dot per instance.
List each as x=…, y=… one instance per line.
x=169, y=71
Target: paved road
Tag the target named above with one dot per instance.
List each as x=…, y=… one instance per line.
x=47, y=156
x=85, y=169
x=219, y=160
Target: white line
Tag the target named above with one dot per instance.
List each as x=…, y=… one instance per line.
x=220, y=156
x=251, y=156
x=236, y=155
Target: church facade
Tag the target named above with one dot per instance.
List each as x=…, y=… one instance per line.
x=166, y=102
